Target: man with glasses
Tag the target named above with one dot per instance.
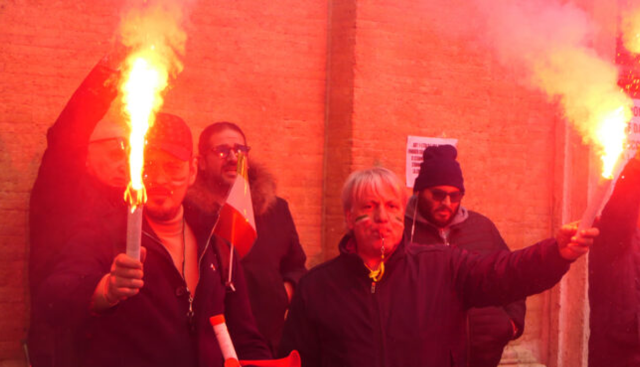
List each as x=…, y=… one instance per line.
x=152, y=311
x=435, y=216
x=276, y=261
x=82, y=173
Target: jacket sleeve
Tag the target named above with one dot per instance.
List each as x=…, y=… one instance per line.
x=248, y=341
x=505, y=277
x=68, y=138
x=68, y=290
x=292, y=267
x=62, y=167
x=515, y=310
x=299, y=332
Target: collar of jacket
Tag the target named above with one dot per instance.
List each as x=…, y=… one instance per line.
x=412, y=206
x=263, y=187
x=347, y=249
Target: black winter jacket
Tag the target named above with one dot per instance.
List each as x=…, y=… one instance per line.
x=275, y=257
x=62, y=195
x=152, y=328
x=490, y=328
x=415, y=315
x=614, y=277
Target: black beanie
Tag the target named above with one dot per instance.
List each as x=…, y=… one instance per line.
x=439, y=168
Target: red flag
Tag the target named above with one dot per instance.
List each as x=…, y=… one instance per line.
x=236, y=223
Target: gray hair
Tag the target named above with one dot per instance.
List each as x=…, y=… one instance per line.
x=372, y=178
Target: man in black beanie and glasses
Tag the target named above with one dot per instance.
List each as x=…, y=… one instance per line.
x=435, y=216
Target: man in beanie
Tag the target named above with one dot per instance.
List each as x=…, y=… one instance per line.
x=153, y=311
x=435, y=216
x=385, y=302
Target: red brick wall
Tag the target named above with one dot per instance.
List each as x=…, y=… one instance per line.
x=415, y=73
x=320, y=88
x=259, y=64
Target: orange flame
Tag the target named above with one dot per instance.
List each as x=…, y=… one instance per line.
x=612, y=137
x=598, y=108
x=155, y=34
x=141, y=94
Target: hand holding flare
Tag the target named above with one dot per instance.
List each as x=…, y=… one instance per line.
x=573, y=243
x=123, y=281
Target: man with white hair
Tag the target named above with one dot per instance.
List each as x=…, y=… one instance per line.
x=385, y=302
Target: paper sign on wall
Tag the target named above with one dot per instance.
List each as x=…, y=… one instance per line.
x=415, y=146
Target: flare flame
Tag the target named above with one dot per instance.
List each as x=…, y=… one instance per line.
x=157, y=40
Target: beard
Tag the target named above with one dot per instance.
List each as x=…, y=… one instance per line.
x=215, y=183
x=429, y=209
x=161, y=204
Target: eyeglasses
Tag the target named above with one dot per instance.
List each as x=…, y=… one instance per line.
x=223, y=151
x=175, y=169
x=440, y=195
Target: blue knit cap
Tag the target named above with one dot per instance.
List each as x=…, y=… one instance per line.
x=439, y=168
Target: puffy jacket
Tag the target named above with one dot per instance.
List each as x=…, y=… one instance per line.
x=154, y=327
x=490, y=328
x=416, y=314
x=63, y=194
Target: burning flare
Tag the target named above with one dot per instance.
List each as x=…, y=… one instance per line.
x=141, y=94
x=154, y=33
x=551, y=42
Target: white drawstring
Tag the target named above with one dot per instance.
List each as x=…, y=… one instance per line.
x=413, y=225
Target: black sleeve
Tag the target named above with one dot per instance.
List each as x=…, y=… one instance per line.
x=68, y=138
x=516, y=310
x=299, y=332
x=292, y=267
x=248, y=341
x=67, y=292
x=62, y=167
x=504, y=277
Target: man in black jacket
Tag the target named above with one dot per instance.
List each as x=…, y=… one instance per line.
x=82, y=173
x=157, y=314
x=614, y=277
x=385, y=302
x=276, y=260
x=435, y=216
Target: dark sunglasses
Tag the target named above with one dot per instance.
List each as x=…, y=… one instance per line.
x=440, y=195
x=223, y=151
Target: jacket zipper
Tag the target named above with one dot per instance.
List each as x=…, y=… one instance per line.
x=190, y=313
x=380, y=324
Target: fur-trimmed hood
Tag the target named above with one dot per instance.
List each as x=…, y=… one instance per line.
x=263, y=191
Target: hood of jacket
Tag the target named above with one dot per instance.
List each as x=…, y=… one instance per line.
x=413, y=214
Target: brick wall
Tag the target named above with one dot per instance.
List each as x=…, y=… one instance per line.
x=415, y=72
x=320, y=88
x=259, y=64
